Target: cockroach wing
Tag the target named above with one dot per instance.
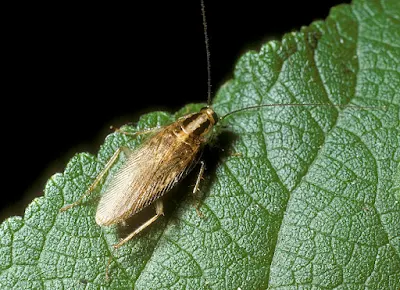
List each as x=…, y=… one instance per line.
x=111, y=204
x=146, y=175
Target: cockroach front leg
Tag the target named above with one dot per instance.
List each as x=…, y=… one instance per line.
x=143, y=132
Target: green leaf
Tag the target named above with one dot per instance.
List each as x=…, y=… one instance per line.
x=309, y=201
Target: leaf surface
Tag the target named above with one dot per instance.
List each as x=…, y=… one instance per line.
x=309, y=201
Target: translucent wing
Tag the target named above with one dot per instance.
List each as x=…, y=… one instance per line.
x=147, y=174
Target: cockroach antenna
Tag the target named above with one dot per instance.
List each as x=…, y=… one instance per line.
x=206, y=41
x=345, y=106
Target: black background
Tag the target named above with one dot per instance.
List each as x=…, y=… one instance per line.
x=72, y=70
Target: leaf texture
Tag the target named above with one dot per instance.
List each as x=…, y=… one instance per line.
x=310, y=201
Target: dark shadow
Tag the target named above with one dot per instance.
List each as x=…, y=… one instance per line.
x=215, y=154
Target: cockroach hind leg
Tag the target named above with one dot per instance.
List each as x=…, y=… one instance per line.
x=99, y=177
x=159, y=212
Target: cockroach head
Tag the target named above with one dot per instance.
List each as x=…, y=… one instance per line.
x=211, y=114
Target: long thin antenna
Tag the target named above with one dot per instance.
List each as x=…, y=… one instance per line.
x=301, y=105
x=203, y=13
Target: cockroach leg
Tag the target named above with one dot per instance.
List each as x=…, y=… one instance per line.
x=108, y=267
x=199, y=177
x=146, y=131
x=235, y=154
x=159, y=212
x=197, y=188
x=198, y=211
x=97, y=180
